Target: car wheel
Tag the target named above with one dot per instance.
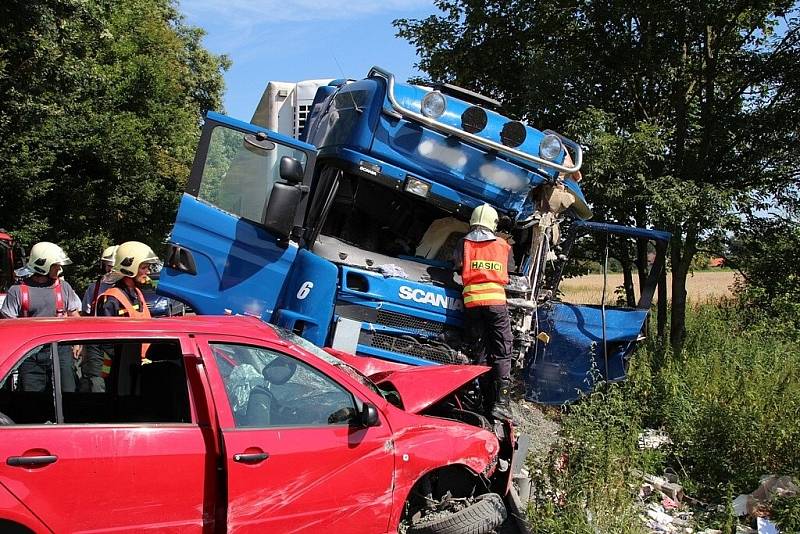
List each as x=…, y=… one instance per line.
x=481, y=517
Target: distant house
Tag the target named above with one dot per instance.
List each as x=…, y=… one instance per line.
x=716, y=262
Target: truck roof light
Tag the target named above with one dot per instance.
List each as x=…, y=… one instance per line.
x=474, y=119
x=418, y=187
x=550, y=147
x=513, y=134
x=433, y=105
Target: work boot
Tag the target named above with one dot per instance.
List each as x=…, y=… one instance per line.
x=501, y=408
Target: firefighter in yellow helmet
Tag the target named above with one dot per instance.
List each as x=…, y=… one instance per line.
x=43, y=293
x=133, y=263
x=484, y=261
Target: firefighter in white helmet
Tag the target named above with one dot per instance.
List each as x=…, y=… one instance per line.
x=43, y=293
x=95, y=289
x=484, y=261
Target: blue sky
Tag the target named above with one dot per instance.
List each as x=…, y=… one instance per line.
x=292, y=40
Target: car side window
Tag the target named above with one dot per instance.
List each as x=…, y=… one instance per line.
x=26, y=393
x=269, y=389
x=102, y=382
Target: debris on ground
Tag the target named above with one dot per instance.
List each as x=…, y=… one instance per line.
x=770, y=487
x=653, y=439
x=531, y=420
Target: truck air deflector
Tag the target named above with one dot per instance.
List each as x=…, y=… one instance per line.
x=472, y=138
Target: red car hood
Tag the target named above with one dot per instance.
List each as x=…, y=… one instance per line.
x=419, y=387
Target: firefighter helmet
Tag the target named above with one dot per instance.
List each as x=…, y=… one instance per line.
x=130, y=255
x=45, y=254
x=108, y=254
x=486, y=216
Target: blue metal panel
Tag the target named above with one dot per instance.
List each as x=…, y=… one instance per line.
x=570, y=363
x=658, y=235
x=392, y=356
x=240, y=268
x=309, y=296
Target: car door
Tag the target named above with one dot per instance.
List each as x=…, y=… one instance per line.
x=227, y=253
x=129, y=458
x=294, y=462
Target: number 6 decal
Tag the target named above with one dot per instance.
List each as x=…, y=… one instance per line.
x=304, y=290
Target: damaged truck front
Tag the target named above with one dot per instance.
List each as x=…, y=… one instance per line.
x=346, y=236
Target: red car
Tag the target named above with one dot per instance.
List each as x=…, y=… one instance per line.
x=229, y=424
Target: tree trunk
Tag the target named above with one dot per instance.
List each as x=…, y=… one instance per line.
x=661, y=314
x=627, y=281
x=682, y=254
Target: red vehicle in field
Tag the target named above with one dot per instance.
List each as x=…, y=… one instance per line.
x=229, y=424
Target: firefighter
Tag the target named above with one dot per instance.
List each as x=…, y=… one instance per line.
x=133, y=262
x=101, y=284
x=484, y=260
x=43, y=293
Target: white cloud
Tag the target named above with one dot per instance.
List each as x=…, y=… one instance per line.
x=245, y=13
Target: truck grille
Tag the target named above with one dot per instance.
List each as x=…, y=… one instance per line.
x=412, y=347
x=399, y=320
x=438, y=351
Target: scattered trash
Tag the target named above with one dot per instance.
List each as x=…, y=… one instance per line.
x=658, y=520
x=670, y=489
x=765, y=526
x=653, y=439
x=770, y=486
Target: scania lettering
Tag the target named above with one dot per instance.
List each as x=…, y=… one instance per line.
x=362, y=195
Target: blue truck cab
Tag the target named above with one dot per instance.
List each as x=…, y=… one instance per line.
x=345, y=235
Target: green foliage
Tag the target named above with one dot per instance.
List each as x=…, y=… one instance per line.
x=767, y=252
x=100, y=103
x=786, y=513
x=729, y=403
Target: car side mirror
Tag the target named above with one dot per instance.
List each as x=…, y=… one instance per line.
x=369, y=415
x=291, y=170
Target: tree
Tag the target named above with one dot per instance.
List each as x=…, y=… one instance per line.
x=100, y=103
x=688, y=109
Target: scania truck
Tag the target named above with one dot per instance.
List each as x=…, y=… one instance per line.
x=342, y=228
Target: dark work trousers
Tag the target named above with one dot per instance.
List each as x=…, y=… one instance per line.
x=488, y=331
x=35, y=373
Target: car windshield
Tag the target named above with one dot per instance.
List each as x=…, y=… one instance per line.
x=329, y=358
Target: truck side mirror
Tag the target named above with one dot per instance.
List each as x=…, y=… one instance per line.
x=291, y=170
x=284, y=199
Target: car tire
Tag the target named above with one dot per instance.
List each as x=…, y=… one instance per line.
x=481, y=517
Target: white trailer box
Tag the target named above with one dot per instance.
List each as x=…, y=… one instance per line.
x=284, y=106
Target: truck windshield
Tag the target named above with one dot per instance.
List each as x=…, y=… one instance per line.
x=240, y=170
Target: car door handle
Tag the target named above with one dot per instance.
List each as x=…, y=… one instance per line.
x=251, y=457
x=23, y=461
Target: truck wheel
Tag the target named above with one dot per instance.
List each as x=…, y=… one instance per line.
x=481, y=517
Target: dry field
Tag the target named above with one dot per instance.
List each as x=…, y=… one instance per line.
x=701, y=287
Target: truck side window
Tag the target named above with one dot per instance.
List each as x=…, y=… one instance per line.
x=240, y=170
x=270, y=389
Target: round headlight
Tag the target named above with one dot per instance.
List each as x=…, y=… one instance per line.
x=433, y=105
x=550, y=147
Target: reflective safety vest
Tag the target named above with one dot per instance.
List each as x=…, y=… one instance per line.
x=25, y=299
x=485, y=272
x=132, y=310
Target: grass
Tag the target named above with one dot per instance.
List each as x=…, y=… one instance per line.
x=730, y=402
x=701, y=287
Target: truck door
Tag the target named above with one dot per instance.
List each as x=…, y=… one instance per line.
x=232, y=244
x=583, y=337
